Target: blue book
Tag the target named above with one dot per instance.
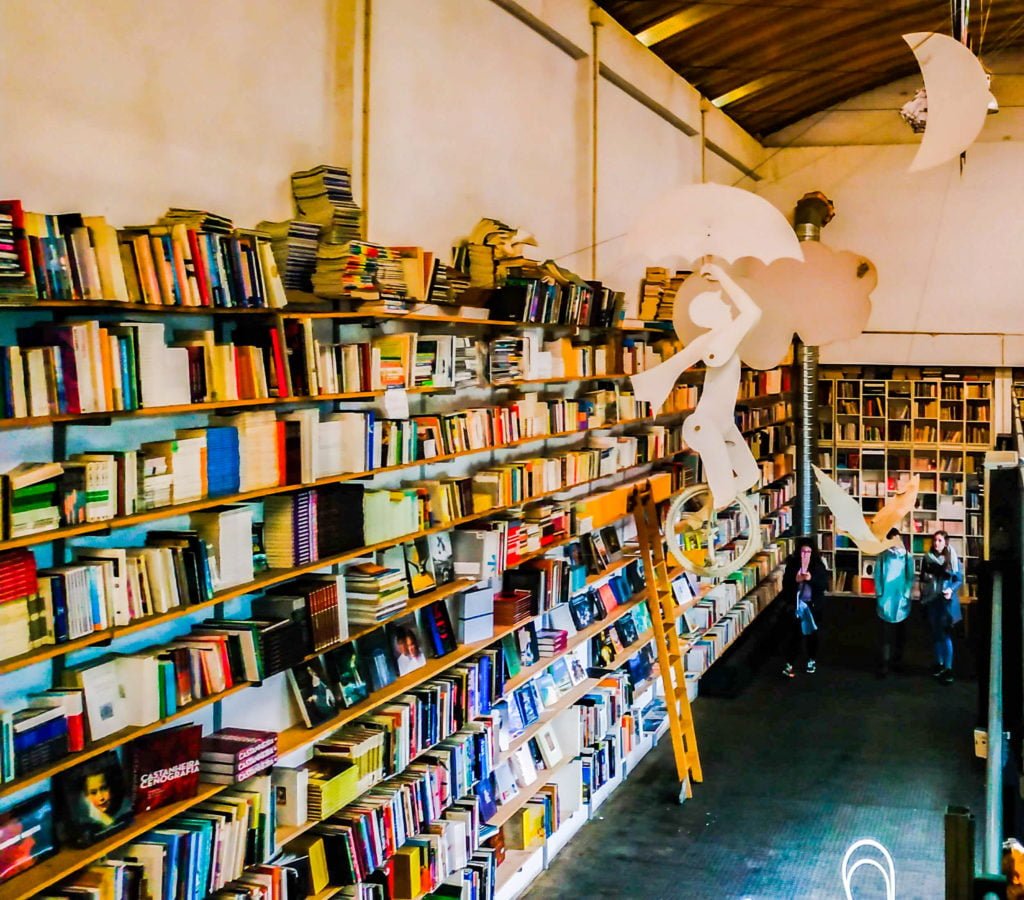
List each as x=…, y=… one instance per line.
x=172, y=839
x=213, y=270
x=200, y=850
x=60, y=608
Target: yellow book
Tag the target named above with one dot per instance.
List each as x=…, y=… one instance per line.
x=407, y=873
x=108, y=258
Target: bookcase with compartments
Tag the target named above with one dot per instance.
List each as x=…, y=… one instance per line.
x=377, y=565
x=875, y=433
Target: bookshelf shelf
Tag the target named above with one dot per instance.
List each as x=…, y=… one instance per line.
x=33, y=882
x=507, y=810
x=115, y=740
x=118, y=306
x=297, y=739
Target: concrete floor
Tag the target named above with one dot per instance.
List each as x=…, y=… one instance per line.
x=794, y=772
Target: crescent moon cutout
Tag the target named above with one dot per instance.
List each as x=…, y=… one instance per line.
x=958, y=97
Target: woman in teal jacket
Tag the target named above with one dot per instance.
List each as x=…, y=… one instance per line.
x=894, y=579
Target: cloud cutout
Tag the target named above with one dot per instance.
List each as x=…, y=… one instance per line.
x=824, y=298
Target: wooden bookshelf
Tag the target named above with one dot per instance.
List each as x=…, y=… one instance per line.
x=298, y=738
x=874, y=433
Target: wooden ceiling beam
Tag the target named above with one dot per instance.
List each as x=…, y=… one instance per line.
x=679, y=22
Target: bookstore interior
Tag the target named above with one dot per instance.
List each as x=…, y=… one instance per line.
x=374, y=509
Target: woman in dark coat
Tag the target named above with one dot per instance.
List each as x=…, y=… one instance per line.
x=803, y=592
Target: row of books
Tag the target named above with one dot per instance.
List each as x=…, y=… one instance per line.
x=189, y=258
x=104, y=587
x=250, y=451
x=527, y=357
x=758, y=383
x=763, y=416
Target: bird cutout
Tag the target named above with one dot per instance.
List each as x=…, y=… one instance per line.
x=849, y=517
x=956, y=95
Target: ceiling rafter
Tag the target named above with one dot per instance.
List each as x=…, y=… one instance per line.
x=769, y=63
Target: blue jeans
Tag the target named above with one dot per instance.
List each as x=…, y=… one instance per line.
x=941, y=625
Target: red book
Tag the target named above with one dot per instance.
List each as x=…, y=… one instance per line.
x=236, y=745
x=202, y=281
x=280, y=368
x=164, y=767
x=282, y=454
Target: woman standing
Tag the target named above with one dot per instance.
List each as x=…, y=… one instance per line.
x=941, y=578
x=894, y=580
x=803, y=588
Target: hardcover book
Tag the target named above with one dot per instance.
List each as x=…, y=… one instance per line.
x=406, y=644
x=313, y=692
x=342, y=668
x=164, y=767
x=26, y=835
x=376, y=660
x=92, y=800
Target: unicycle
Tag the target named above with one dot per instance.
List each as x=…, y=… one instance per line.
x=696, y=535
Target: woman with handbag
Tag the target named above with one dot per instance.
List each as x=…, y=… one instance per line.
x=941, y=578
x=804, y=583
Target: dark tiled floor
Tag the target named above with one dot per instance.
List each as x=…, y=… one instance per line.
x=794, y=772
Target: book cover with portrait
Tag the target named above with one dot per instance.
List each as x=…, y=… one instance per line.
x=93, y=800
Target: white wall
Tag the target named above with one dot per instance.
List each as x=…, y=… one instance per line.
x=475, y=115
x=124, y=108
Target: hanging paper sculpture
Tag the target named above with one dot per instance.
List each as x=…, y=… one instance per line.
x=958, y=98
x=849, y=517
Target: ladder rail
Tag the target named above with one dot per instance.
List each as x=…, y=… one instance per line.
x=671, y=662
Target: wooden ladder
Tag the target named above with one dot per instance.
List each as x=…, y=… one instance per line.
x=662, y=606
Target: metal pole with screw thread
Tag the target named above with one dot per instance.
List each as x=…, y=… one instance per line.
x=813, y=212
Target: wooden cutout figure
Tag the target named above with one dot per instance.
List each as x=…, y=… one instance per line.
x=710, y=430
x=849, y=517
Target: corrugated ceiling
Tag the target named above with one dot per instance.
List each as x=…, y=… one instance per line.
x=769, y=63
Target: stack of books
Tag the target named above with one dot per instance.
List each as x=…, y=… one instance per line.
x=552, y=643
x=289, y=529
x=32, y=498
x=234, y=754
x=13, y=271
x=25, y=620
x=511, y=607
x=357, y=270
x=200, y=219
x=293, y=242
x=507, y=359
x=323, y=195
x=374, y=592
